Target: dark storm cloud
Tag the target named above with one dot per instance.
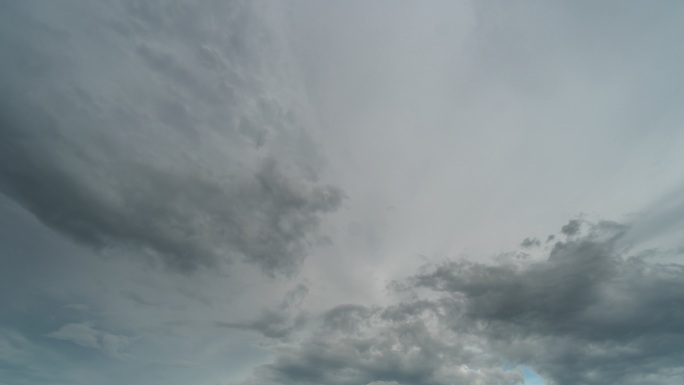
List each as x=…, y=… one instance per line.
x=197, y=153
x=590, y=314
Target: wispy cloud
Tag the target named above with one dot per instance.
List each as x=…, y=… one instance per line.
x=83, y=334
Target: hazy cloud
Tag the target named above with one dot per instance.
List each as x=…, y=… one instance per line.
x=271, y=324
x=281, y=321
x=190, y=136
x=83, y=334
x=572, y=228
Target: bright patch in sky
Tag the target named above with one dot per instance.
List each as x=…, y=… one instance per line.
x=531, y=378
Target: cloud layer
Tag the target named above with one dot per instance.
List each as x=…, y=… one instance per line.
x=111, y=136
x=590, y=314
x=170, y=168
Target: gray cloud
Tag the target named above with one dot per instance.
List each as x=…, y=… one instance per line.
x=590, y=314
x=572, y=228
x=359, y=345
x=530, y=242
x=193, y=167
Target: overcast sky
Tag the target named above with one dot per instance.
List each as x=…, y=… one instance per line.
x=341, y=192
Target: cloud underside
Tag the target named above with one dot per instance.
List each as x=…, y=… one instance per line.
x=190, y=167
x=590, y=314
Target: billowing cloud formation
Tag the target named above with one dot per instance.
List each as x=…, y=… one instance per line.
x=186, y=134
x=149, y=125
x=354, y=344
x=586, y=316
x=590, y=314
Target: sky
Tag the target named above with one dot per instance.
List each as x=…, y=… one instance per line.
x=224, y=192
